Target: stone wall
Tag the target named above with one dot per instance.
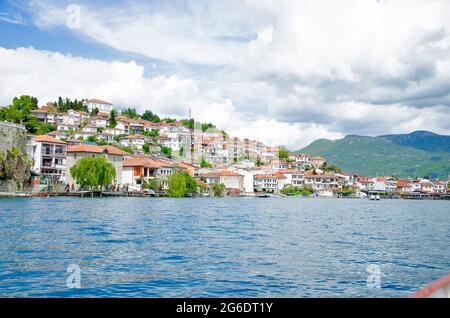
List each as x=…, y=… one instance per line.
x=12, y=136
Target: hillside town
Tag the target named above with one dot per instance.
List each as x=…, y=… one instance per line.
x=146, y=153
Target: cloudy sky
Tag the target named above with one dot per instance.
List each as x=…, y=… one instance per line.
x=282, y=71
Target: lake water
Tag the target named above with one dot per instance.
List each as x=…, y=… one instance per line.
x=277, y=247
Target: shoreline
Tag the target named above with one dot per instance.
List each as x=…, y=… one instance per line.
x=98, y=194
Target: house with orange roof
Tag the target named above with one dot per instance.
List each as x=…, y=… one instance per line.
x=141, y=168
x=323, y=183
x=267, y=182
x=233, y=181
x=114, y=155
x=48, y=156
x=385, y=184
x=404, y=185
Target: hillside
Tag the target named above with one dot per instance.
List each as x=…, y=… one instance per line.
x=382, y=156
x=424, y=140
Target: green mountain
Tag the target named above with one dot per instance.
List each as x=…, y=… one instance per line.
x=382, y=156
x=424, y=140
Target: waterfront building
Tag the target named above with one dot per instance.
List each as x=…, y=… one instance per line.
x=113, y=155
x=323, y=181
x=385, y=184
x=233, y=181
x=265, y=183
x=48, y=156
x=137, y=169
x=404, y=186
x=426, y=186
x=439, y=186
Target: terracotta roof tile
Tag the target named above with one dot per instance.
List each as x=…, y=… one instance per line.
x=46, y=138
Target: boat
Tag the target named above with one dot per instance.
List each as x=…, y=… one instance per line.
x=438, y=289
x=375, y=197
x=263, y=196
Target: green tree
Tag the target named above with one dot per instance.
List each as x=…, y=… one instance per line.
x=146, y=149
x=94, y=112
x=259, y=162
x=189, y=123
x=130, y=113
x=218, y=189
x=205, y=164
x=63, y=105
x=112, y=119
x=283, y=154
x=150, y=116
x=45, y=128
x=330, y=168
x=93, y=173
x=207, y=126
x=182, y=185
x=152, y=184
x=151, y=133
x=166, y=151
x=20, y=112
x=92, y=139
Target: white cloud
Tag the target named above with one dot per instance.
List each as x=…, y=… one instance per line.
x=289, y=71
x=48, y=75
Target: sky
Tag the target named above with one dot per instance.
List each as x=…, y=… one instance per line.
x=285, y=72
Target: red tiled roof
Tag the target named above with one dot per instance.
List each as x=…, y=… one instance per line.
x=140, y=162
x=46, y=138
x=227, y=173
x=97, y=149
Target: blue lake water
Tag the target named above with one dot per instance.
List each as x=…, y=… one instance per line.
x=277, y=247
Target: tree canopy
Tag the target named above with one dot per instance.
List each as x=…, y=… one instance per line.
x=182, y=185
x=283, y=154
x=130, y=113
x=93, y=173
x=63, y=105
x=150, y=116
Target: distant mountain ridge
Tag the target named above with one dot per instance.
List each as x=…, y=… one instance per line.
x=418, y=154
x=424, y=140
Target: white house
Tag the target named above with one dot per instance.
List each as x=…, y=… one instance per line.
x=102, y=106
x=133, y=141
x=48, y=156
